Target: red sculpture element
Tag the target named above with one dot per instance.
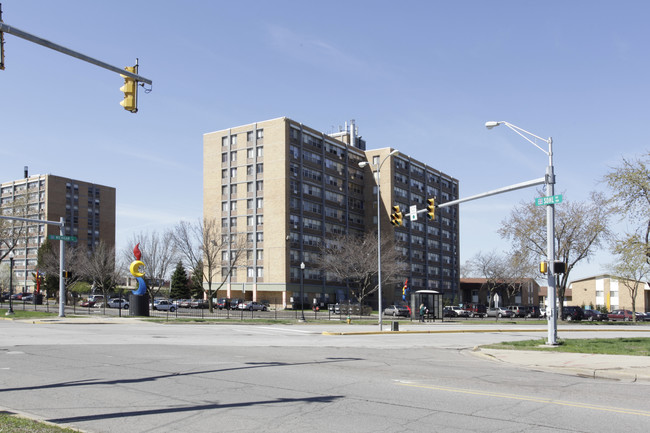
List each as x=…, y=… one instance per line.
x=136, y=252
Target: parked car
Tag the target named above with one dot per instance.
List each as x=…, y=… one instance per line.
x=572, y=313
x=184, y=303
x=499, y=312
x=592, y=315
x=222, y=303
x=88, y=303
x=251, y=306
x=117, y=303
x=460, y=312
x=396, y=310
x=163, y=305
x=234, y=303
x=533, y=311
x=476, y=310
x=518, y=310
x=198, y=303
x=28, y=297
x=449, y=312
x=625, y=315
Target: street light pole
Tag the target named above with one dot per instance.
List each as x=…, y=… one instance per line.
x=551, y=315
x=302, y=294
x=11, y=285
x=379, y=304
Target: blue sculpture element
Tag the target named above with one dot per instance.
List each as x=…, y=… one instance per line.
x=142, y=287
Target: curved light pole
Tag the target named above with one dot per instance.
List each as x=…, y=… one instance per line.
x=362, y=164
x=302, y=293
x=550, y=225
x=10, y=311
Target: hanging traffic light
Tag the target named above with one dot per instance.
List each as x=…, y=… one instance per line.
x=396, y=216
x=431, y=208
x=130, y=89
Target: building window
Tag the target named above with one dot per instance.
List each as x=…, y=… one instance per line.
x=250, y=271
x=224, y=191
x=249, y=136
x=249, y=220
x=233, y=189
x=260, y=185
x=233, y=172
x=233, y=205
x=260, y=254
x=260, y=203
x=259, y=236
x=375, y=160
x=233, y=222
x=260, y=220
x=249, y=204
x=260, y=133
x=224, y=157
x=250, y=153
x=233, y=156
x=233, y=140
x=249, y=170
x=224, y=222
x=224, y=173
x=260, y=168
x=224, y=141
x=260, y=272
x=260, y=151
x=224, y=206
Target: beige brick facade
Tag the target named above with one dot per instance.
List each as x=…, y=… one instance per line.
x=285, y=186
x=609, y=292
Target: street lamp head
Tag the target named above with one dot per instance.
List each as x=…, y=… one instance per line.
x=394, y=152
x=363, y=164
x=491, y=124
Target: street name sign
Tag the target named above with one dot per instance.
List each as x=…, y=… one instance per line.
x=553, y=199
x=62, y=238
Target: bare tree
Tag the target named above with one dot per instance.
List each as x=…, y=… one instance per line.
x=11, y=231
x=158, y=256
x=630, y=184
x=632, y=265
x=353, y=259
x=580, y=229
x=98, y=266
x=208, y=250
x=49, y=265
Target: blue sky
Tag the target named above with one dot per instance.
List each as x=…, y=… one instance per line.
x=419, y=76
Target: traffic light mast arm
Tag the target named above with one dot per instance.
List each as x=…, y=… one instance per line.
x=56, y=47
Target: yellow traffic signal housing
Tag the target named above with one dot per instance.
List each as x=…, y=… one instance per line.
x=431, y=208
x=130, y=89
x=543, y=267
x=396, y=217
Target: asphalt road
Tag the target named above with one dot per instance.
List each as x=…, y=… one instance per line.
x=146, y=377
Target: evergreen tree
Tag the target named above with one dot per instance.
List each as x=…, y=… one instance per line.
x=196, y=282
x=179, y=289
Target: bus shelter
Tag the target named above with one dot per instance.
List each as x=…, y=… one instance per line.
x=431, y=300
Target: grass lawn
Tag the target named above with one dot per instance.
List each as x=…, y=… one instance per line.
x=12, y=423
x=26, y=314
x=604, y=346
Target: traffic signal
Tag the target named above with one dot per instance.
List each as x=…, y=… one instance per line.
x=396, y=216
x=431, y=208
x=130, y=89
x=559, y=267
x=543, y=267
x=66, y=274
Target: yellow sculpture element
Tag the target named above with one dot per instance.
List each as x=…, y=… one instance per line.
x=135, y=268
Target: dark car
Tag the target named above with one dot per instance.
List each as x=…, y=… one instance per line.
x=476, y=310
x=449, y=312
x=572, y=313
x=234, y=303
x=591, y=315
x=533, y=311
x=396, y=310
x=222, y=303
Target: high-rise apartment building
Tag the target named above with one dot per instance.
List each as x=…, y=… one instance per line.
x=88, y=210
x=286, y=187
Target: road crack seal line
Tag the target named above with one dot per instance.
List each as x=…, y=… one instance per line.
x=531, y=399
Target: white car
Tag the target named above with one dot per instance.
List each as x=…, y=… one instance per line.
x=163, y=305
x=460, y=311
x=117, y=303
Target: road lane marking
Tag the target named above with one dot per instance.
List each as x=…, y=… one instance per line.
x=529, y=398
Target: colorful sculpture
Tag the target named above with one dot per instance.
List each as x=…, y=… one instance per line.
x=135, y=271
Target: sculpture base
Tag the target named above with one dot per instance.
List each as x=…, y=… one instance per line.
x=139, y=305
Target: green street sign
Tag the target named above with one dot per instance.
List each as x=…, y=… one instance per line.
x=543, y=201
x=62, y=238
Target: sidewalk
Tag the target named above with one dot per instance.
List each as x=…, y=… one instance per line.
x=615, y=367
